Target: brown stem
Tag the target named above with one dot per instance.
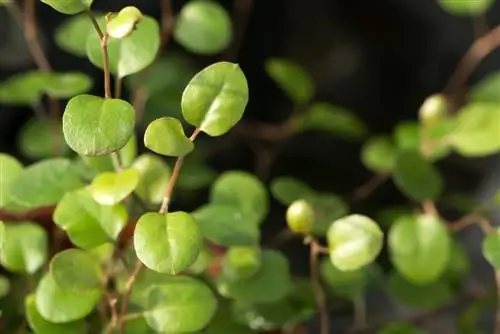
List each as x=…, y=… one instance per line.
x=429, y=207
x=118, y=87
x=95, y=24
x=314, y=250
x=167, y=22
x=469, y=220
x=112, y=304
x=30, y=33
x=126, y=296
x=107, y=75
x=117, y=161
x=369, y=187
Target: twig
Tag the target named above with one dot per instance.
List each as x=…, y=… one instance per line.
x=472, y=219
x=167, y=22
x=111, y=299
x=30, y=34
x=107, y=74
x=369, y=187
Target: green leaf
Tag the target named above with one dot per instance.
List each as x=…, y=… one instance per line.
x=67, y=84
x=45, y=183
x=215, y=98
x=271, y=283
x=63, y=306
x=288, y=189
x=347, y=284
x=191, y=310
x=195, y=175
x=400, y=328
x=407, y=136
x=5, y=2
x=97, y=126
x=110, y=188
x=476, y=131
x=203, y=27
x=39, y=325
x=420, y=248
x=124, y=22
x=491, y=248
x=167, y=243
x=487, y=89
x=42, y=138
x=166, y=136
x=69, y=7
x=424, y=297
x=154, y=174
x=130, y=54
x=23, y=89
x=71, y=36
x=243, y=191
x=224, y=323
x=75, y=270
x=94, y=224
x=202, y=262
x=241, y=262
x=227, y=225
x=459, y=265
x=378, y=154
x=10, y=170
x=24, y=248
x=4, y=286
x=466, y=8
x=332, y=119
x=296, y=82
x=354, y=241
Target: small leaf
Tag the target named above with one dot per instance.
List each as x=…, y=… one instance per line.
x=62, y=306
x=94, y=224
x=110, y=188
x=191, y=310
x=124, y=22
x=420, y=248
x=243, y=191
x=241, y=262
x=166, y=136
x=491, y=248
x=97, y=126
x=42, y=138
x=167, y=243
x=154, y=174
x=10, y=170
x=203, y=27
x=476, y=131
x=71, y=36
x=4, y=286
x=416, y=177
x=68, y=84
x=226, y=225
x=348, y=284
x=75, y=270
x=287, y=190
x=39, y=325
x=69, y=7
x=354, y=241
x=407, y=136
x=215, y=98
x=297, y=83
x=300, y=217
x=25, y=247
x=487, y=89
x=463, y=8
x=378, y=154
x=23, y=89
x=45, y=183
x=332, y=119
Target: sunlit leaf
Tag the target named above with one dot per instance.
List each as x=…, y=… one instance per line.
x=110, y=188
x=76, y=270
x=69, y=7
x=10, y=170
x=241, y=262
x=166, y=136
x=124, y=22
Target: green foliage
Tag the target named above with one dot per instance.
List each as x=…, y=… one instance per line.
x=166, y=136
x=292, y=79
x=300, y=217
x=124, y=22
x=469, y=8
x=348, y=284
x=110, y=188
x=154, y=174
x=40, y=139
x=69, y=7
x=10, y=170
x=491, y=248
x=241, y=262
x=378, y=154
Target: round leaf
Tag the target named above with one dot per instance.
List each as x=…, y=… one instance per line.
x=297, y=84
x=416, y=177
x=24, y=248
x=75, y=270
x=354, y=241
x=94, y=224
x=167, y=243
x=23, y=89
x=97, y=126
x=348, y=284
x=63, y=306
x=241, y=262
x=407, y=135
x=111, y=188
x=191, y=310
x=461, y=7
x=154, y=174
x=378, y=154
x=420, y=248
x=166, y=136
x=491, y=248
x=10, y=170
x=68, y=84
x=287, y=190
x=124, y=22
x=71, y=36
x=203, y=27
x=42, y=138
x=69, y=7
x=215, y=98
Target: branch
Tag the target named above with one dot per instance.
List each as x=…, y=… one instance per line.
x=369, y=187
x=30, y=34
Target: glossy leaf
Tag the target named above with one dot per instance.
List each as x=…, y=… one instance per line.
x=23, y=89
x=469, y=8
x=10, y=170
x=63, y=306
x=166, y=136
x=40, y=139
x=354, y=241
x=104, y=163
x=24, y=247
x=348, y=284
x=296, y=82
x=203, y=27
x=416, y=177
x=378, y=154
x=97, y=126
x=39, y=325
x=69, y=7
x=124, y=22
x=215, y=98
x=241, y=262
x=154, y=174
x=476, y=131
x=167, y=243
x=491, y=248
x=420, y=248
x=94, y=224
x=110, y=188
x=487, y=89
x=75, y=270
x=71, y=35
x=191, y=310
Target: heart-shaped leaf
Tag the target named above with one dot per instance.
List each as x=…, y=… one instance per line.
x=110, y=188
x=420, y=248
x=124, y=22
x=69, y=7
x=491, y=248
x=71, y=35
x=42, y=138
x=10, y=170
x=203, y=27
x=94, y=224
x=354, y=241
x=378, y=154
x=97, y=126
x=166, y=136
x=75, y=270
x=215, y=98
x=167, y=243
x=154, y=174
x=297, y=83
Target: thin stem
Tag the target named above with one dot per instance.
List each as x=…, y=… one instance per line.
x=118, y=87
x=369, y=187
x=429, y=207
x=30, y=33
x=117, y=161
x=95, y=24
x=128, y=290
x=241, y=14
x=107, y=75
x=314, y=251
x=469, y=220
x=167, y=22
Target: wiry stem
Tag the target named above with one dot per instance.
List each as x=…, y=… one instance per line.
x=314, y=250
